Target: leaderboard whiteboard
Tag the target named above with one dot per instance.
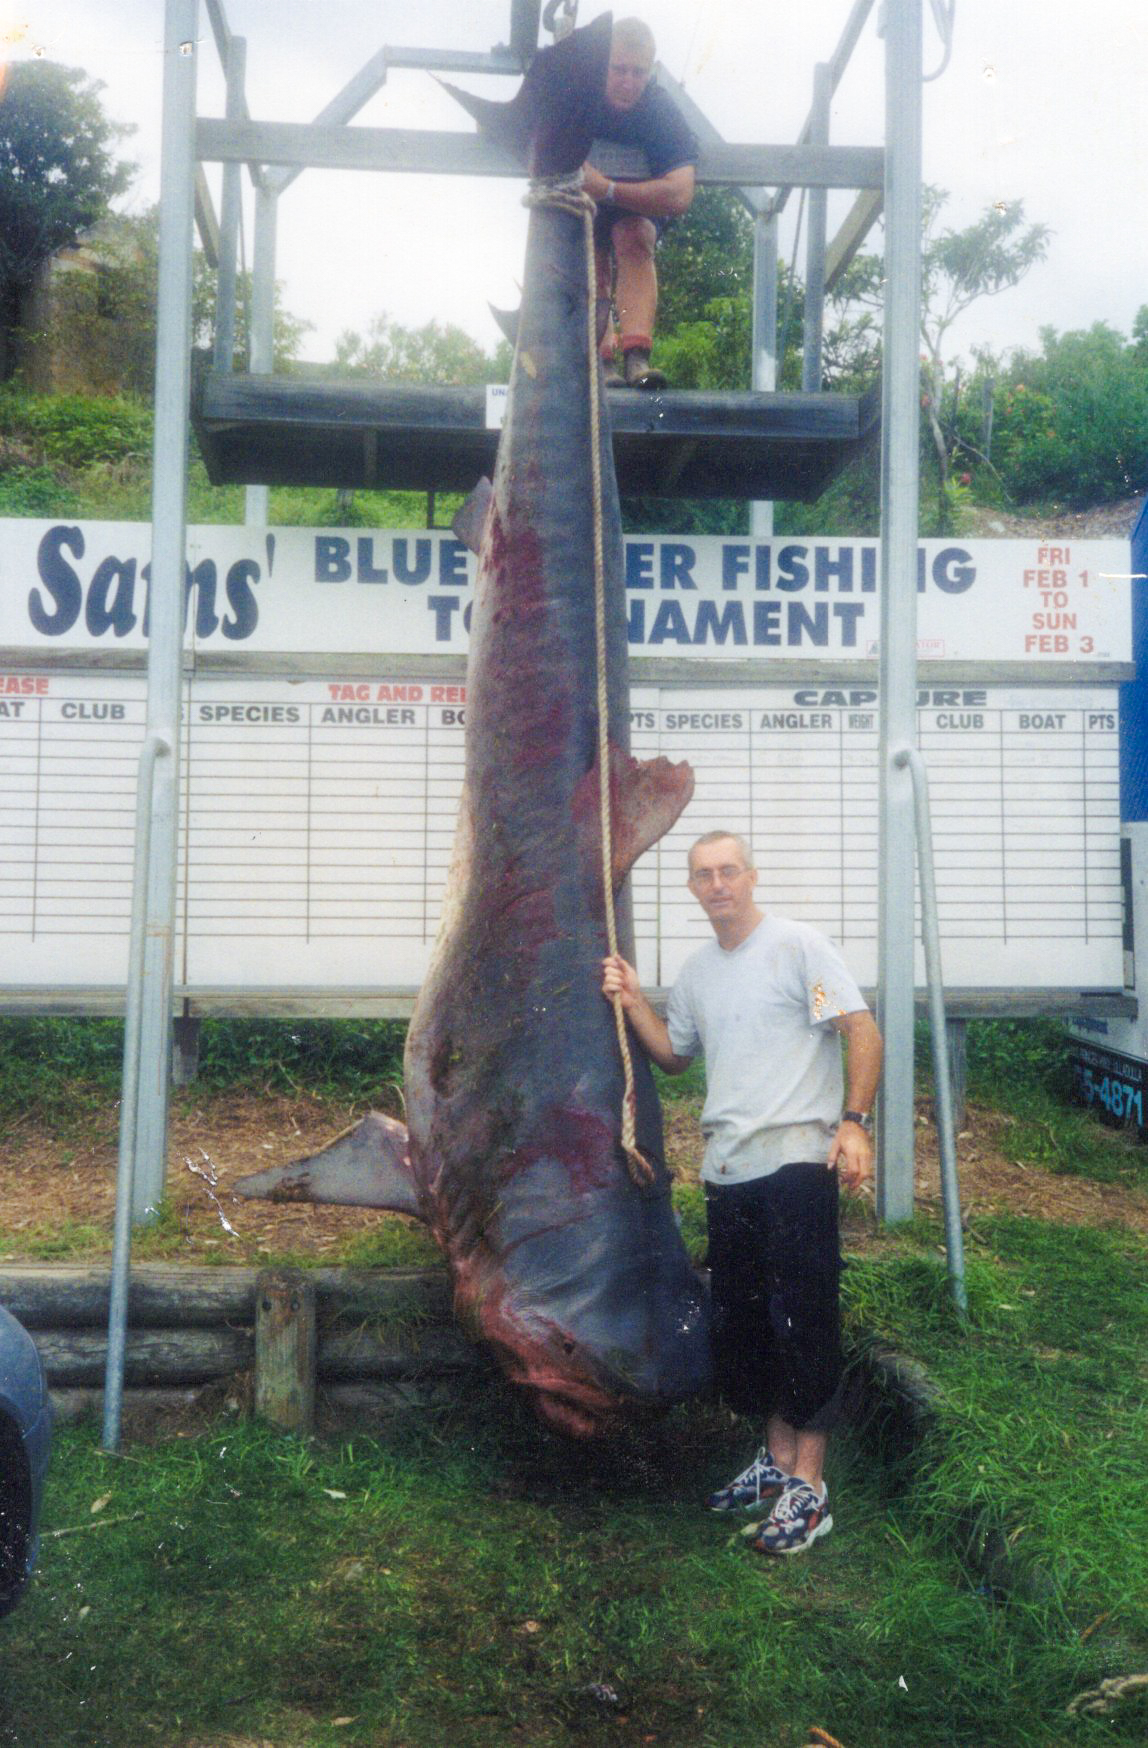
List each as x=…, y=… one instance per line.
x=316, y=831
x=321, y=764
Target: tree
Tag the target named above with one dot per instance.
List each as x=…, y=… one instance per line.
x=1071, y=422
x=958, y=268
x=705, y=314
x=706, y=254
x=287, y=330
x=58, y=175
x=436, y=352
x=107, y=317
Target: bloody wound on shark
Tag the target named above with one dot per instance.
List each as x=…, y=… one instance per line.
x=573, y=1273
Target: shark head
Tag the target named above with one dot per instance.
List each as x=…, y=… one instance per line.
x=588, y=1300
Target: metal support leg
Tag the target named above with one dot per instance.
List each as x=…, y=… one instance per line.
x=765, y=360
x=229, y=211
x=262, y=322
x=898, y=661
x=815, y=239
x=909, y=759
x=166, y=594
x=143, y=1112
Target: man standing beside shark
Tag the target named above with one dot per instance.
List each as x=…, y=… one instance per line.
x=632, y=215
x=765, y=1002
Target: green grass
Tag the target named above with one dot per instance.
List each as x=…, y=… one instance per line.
x=120, y=491
x=466, y=1577
x=1044, y=1409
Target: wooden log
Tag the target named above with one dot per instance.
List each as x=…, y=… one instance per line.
x=360, y=1354
x=340, y=1405
x=181, y=1296
x=83, y=1401
x=161, y=1296
x=392, y=1296
x=336, y=1405
x=285, y=1349
x=76, y=1357
x=154, y=1356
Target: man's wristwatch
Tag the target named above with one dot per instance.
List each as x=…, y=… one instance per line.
x=860, y=1117
x=611, y=190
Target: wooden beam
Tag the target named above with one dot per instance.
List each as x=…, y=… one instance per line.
x=462, y=154
x=398, y=1004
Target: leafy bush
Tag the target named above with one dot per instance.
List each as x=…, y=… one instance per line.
x=29, y=491
x=1006, y=1054
x=1072, y=422
x=78, y=430
x=56, y=1064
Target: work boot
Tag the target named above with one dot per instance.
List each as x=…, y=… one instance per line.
x=639, y=373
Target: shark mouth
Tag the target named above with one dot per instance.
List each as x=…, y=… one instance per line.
x=578, y=1409
x=537, y=1355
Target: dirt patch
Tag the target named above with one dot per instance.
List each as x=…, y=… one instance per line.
x=48, y=1184
x=993, y=1180
x=1104, y=522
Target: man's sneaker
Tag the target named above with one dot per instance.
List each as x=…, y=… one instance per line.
x=762, y=1480
x=799, y=1517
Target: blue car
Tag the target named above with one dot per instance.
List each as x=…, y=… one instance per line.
x=25, y=1439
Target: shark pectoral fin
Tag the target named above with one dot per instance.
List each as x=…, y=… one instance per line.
x=469, y=522
x=646, y=797
x=364, y=1167
x=507, y=321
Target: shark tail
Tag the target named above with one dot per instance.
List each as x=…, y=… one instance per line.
x=549, y=123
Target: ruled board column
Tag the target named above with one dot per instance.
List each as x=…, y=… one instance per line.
x=247, y=829
x=19, y=813
x=85, y=827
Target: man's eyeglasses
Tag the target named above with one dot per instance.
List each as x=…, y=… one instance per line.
x=707, y=876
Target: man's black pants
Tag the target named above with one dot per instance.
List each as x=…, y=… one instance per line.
x=775, y=1266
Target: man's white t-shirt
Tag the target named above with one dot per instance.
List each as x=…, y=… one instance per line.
x=762, y=1012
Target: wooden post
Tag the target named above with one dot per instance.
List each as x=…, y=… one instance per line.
x=956, y=1036
x=285, y=1349
x=185, y=1030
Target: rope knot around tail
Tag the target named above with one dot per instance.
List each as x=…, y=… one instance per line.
x=565, y=193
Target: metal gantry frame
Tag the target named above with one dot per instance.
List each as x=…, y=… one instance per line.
x=275, y=153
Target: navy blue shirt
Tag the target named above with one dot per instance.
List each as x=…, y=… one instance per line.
x=655, y=125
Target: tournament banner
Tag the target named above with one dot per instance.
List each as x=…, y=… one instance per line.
x=84, y=585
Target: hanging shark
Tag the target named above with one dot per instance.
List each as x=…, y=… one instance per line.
x=572, y=1271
